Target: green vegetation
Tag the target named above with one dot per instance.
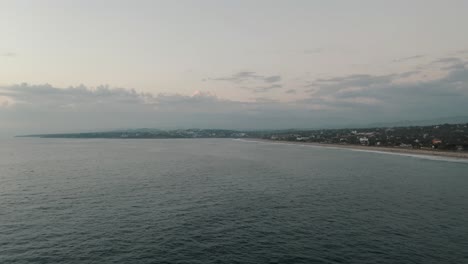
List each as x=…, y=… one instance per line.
x=446, y=136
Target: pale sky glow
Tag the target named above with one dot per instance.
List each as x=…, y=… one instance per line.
x=310, y=62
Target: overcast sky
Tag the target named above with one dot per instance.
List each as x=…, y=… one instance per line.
x=94, y=65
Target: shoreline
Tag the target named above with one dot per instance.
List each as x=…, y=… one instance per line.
x=392, y=150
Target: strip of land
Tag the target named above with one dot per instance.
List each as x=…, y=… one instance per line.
x=423, y=152
x=445, y=140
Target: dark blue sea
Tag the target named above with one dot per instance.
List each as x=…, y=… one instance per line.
x=226, y=201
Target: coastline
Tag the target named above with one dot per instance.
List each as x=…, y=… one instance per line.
x=391, y=150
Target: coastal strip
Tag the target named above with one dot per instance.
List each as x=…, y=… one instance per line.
x=419, y=153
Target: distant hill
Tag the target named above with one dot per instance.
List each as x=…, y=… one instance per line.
x=221, y=133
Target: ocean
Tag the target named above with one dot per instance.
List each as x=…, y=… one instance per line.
x=226, y=201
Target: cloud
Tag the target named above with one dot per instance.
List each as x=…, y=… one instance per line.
x=272, y=79
x=356, y=80
x=449, y=60
x=248, y=76
x=335, y=101
x=450, y=63
x=462, y=52
x=264, y=100
x=359, y=80
x=263, y=89
x=8, y=54
x=409, y=58
x=253, y=81
x=48, y=109
x=392, y=96
x=25, y=95
x=238, y=77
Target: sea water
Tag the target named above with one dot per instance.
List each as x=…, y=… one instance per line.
x=226, y=201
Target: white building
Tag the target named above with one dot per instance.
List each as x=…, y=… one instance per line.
x=364, y=141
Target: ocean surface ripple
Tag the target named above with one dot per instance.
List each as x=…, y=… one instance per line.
x=226, y=201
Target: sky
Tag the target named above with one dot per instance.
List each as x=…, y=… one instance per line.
x=94, y=65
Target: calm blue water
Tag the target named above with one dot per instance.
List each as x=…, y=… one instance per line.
x=226, y=201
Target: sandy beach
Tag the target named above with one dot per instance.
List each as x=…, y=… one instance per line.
x=396, y=150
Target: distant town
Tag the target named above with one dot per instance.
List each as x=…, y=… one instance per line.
x=450, y=137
